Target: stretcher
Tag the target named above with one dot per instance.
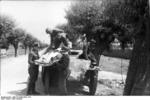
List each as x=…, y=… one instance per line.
x=48, y=59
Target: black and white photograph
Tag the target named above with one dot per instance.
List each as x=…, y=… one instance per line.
x=74, y=48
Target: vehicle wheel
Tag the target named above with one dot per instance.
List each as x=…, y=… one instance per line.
x=93, y=81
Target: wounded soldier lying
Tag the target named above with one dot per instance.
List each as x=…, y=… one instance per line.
x=49, y=58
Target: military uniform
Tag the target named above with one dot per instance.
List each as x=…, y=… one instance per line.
x=58, y=72
x=62, y=66
x=33, y=71
x=90, y=49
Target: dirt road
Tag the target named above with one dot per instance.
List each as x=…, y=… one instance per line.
x=14, y=77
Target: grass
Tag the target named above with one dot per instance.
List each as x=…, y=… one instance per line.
x=108, y=85
x=111, y=85
x=116, y=65
x=116, y=61
x=125, y=54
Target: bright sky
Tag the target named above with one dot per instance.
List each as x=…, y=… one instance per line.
x=36, y=16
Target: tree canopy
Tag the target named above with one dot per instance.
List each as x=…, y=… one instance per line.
x=11, y=34
x=6, y=25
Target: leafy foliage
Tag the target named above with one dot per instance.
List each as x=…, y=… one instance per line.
x=6, y=25
x=72, y=34
x=16, y=36
x=84, y=15
x=10, y=34
x=128, y=13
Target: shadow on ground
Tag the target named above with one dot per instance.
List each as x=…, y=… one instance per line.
x=74, y=88
x=19, y=92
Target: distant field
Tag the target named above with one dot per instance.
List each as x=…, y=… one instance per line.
x=116, y=65
x=114, y=61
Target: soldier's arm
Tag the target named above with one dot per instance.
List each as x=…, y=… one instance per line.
x=65, y=44
x=65, y=41
x=30, y=57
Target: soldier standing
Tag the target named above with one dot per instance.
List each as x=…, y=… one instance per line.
x=58, y=40
x=33, y=70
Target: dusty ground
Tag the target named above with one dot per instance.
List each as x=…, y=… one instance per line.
x=14, y=77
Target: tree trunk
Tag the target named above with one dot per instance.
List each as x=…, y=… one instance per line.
x=146, y=90
x=25, y=48
x=138, y=77
x=16, y=48
x=136, y=68
x=142, y=87
x=29, y=49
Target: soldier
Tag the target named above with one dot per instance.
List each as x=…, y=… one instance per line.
x=33, y=70
x=90, y=56
x=61, y=68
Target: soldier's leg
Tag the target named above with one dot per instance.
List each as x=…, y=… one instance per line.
x=63, y=75
x=87, y=74
x=33, y=75
x=53, y=81
x=62, y=83
x=30, y=81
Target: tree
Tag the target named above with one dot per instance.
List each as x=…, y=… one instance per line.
x=15, y=37
x=4, y=43
x=86, y=17
x=127, y=20
x=135, y=14
x=27, y=42
x=10, y=34
x=7, y=25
